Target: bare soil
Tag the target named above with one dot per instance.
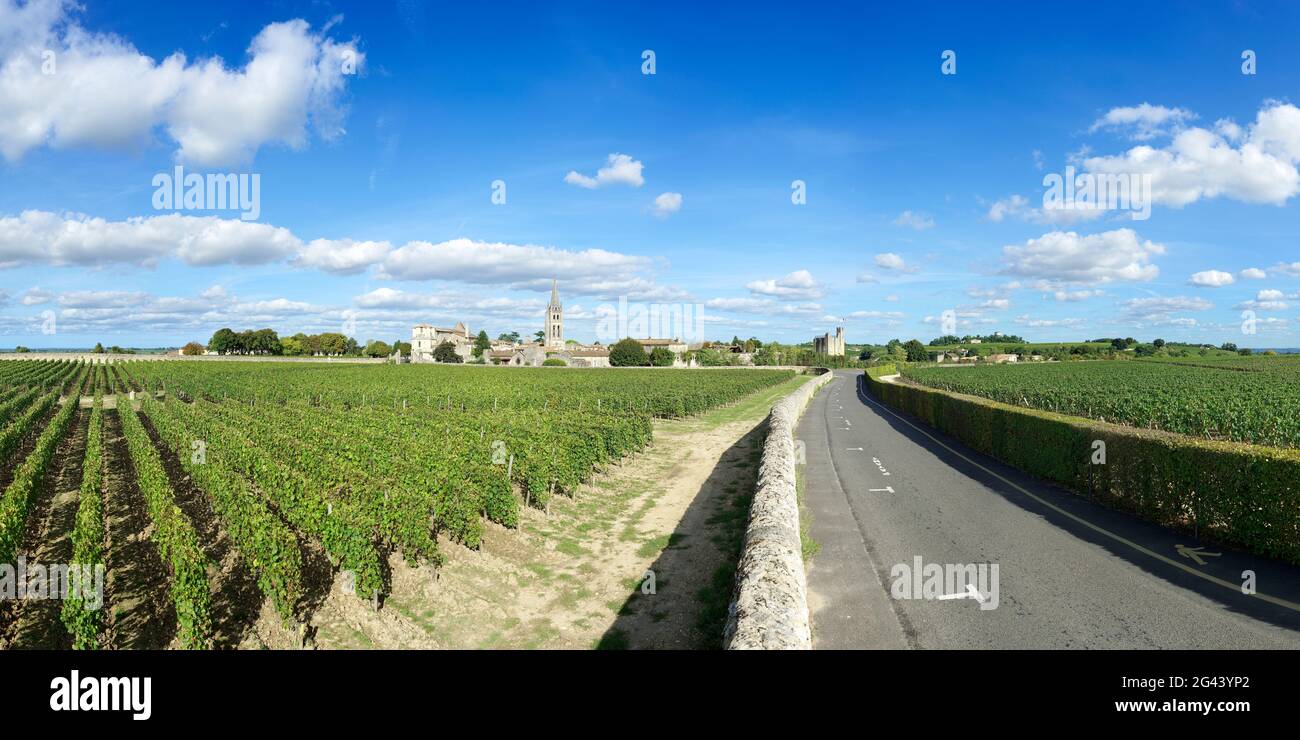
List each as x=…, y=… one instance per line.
x=47, y=540
x=580, y=576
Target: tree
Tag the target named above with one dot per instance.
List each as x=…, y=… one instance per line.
x=295, y=345
x=223, y=341
x=661, y=357
x=20, y=349
x=376, y=348
x=512, y=337
x=1119, y=344
x=446, y=352
x=916, y=351
x=1159, y=343
x=481, y=343
x=99, y=349
x=403, y=347
x=627, y=353
x=945, y=340
x=540, y=335
x=192, y=349
x=1228, y=347
x=554, y=362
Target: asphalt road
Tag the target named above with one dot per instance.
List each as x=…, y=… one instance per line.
x=883, y=489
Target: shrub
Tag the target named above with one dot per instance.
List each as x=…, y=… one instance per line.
x=1247, y=495
x=627, y=353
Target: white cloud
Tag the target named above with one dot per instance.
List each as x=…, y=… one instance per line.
x=1074, y=296
x=1159, y=310
x=1017, y=206
x=620, y=170
x=1268, y=300
x=797, y=285
x=667, y=204
x=1143, y=121
x=1292, y=269
x=342, y=256
x=894, y=261
x=1254, y=164
x=1065, y=256
x=763, y=306
x=41, y=237
x=1253, y=273
x=916, y=220
x=1027, y=320
x=496, y=262
x=34, y=296
x=1212, y=279
x=107, y=94
x=866, y=277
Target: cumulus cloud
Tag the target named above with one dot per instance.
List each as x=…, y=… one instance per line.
x=799, y=284
x=1067, y=257
x=620, y=169
x=1253, y=273
x=342, y=256
x=34, y=296
x=1292, y=269
x=916, y=220
x=41, y=237
x=1159, y=310
x=104, y=93
x=1212, y=279
x=1268, y=300
x=496, y=262
x=1256, y=163
x=1143, y=122
x=1018, y=206
x=894, y=261
x=667, y=204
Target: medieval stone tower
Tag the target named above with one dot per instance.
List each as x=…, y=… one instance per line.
x=554, y=320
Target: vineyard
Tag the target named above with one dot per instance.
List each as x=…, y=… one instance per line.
x=206, y=490
x=1239, y=399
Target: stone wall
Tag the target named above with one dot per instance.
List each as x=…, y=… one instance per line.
x=770, y=606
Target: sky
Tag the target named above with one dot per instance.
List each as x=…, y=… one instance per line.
x=785, y=169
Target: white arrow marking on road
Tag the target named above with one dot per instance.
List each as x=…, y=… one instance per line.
x=889, y=489
x=971, y=593
x=853, y=449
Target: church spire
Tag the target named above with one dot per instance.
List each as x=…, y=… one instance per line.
x=555, y=294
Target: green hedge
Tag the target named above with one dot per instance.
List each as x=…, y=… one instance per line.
x=1245, y=495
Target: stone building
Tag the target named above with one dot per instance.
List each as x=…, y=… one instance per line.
x=830, y=345
x=554, y=326
x=425, y=338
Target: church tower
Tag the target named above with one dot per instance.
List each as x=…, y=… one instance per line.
x=554, y=320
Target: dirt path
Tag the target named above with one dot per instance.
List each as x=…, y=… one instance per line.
x=47, y=539
x=580, y=577
x=140, y=612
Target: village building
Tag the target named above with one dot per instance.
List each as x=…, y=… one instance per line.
x=425, y=338
x=830, y=345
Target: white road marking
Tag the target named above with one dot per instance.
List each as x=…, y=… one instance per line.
x=887, y=489
x=971, y=593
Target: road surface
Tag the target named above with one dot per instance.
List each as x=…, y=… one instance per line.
x=883, y=489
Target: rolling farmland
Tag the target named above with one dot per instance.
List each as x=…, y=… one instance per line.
x=209, y=489
x=1239, y=399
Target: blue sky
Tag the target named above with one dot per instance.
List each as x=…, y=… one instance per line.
x=924, y=191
